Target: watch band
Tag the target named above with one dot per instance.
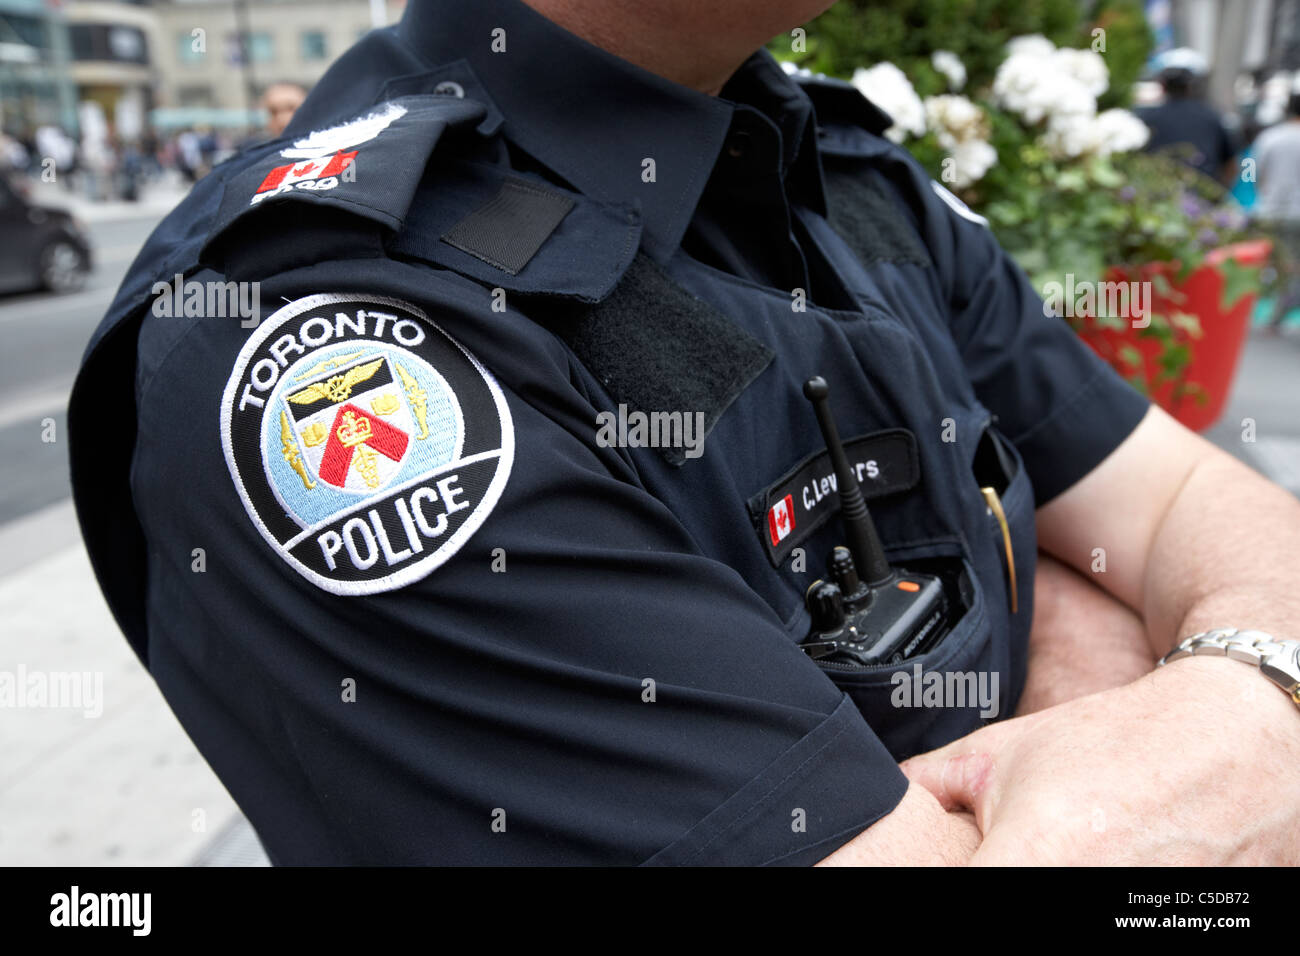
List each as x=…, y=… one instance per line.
x=1277, y=660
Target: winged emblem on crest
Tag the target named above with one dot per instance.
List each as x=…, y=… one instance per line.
x=337, y=388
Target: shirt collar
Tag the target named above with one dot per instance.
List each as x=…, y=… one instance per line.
x=595, y=119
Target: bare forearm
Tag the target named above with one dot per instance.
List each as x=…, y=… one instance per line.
x=1083, y=640
x=1227, y=554
x=1183, y=534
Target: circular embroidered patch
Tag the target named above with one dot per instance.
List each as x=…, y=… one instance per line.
x=366, y=444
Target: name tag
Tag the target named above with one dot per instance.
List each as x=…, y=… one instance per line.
x=884, y=462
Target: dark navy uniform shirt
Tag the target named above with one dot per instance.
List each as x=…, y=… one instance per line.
x=446, y=461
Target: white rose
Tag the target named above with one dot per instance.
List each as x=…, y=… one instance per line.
x=1034, y=44
x=954, y=119
x=1027, y=85
x=887, y=87
x=1068, y=137
x=1085, y=66
x=951, y=66
x=961, y=129
x=1119, y=131
x=1114, y=131
x=971, y=160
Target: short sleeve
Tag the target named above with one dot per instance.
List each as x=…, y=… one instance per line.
x=1062, y=406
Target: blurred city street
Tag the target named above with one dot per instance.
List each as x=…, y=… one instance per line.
x=46, y=335
x=126, y=786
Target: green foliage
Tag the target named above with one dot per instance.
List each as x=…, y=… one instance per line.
x=1055, y=216
x=859, y=33
x=1128, y=45
x=1169, y=212
x=1084, y=216
x=1238, y=280
x=1055, y=221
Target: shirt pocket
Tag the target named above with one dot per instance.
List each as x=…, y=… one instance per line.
x=951, y=689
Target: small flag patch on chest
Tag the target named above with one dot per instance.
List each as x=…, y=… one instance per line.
x=780, y=520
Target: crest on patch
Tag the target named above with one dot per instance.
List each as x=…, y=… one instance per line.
x=366, y=444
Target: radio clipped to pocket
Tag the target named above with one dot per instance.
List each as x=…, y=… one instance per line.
x=866, y=613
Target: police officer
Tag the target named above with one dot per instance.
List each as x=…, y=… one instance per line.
x=446, y=462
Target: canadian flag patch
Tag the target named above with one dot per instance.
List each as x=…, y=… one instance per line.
x=321, y=159
x=780, y=520
x=308, y=174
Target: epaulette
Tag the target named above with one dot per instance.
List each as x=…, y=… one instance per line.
x=848, y=124
x=334, y=192
x=838, y=103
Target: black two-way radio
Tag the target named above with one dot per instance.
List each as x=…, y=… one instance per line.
x=869, y=613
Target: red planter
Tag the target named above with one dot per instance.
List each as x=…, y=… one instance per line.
x=1214, y=355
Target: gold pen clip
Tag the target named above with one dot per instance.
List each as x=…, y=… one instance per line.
x=995, y=505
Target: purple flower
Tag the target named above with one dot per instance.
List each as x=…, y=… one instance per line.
x=1191, y=206
x=1128, y=194
x=1232, y=219
x=1207, y=237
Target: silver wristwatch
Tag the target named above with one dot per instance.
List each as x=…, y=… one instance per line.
x=1279, y=661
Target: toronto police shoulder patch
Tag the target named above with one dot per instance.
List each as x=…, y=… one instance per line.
x=366, y=444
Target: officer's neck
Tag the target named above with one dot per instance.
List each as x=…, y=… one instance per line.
x=695, y=44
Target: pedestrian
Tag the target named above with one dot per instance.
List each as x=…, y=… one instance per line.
x=1277, y=204
x=280, y=101
x=1187, y=124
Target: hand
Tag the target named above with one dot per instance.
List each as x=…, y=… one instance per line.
x=1197, y=763
x=917, y=833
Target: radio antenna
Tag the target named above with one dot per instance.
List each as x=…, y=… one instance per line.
x=864, y=543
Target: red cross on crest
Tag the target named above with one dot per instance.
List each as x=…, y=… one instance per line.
x=354, y=431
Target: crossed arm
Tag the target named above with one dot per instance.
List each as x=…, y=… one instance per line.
x=1110, y=761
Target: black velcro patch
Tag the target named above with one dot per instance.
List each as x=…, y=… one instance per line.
x=885, y=463
x=657, y=348
x=511, y=227
x=870, y=220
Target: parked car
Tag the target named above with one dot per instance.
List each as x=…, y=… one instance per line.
x=42, y=246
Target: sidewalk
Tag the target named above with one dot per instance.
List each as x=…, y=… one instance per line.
x=123, y=788
x=1261, y=423
x=157, y=198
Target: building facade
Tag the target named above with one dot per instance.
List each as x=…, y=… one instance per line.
x=202, y=63
x=35, y=86
x=112, y=65
x=127, y=66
